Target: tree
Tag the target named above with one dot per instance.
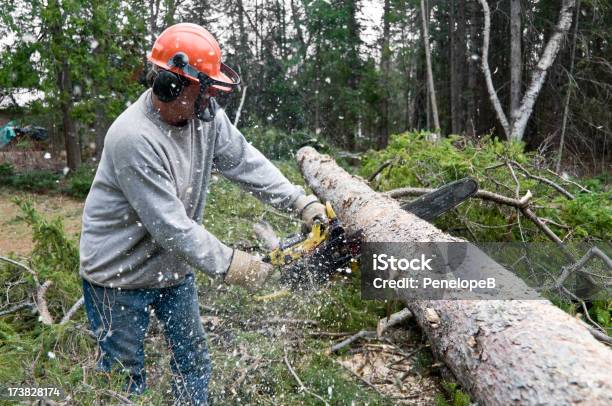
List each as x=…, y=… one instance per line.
x=458, y=51
x=385, y=69
x=84, y=72
x=430, y=79
x=515, y=129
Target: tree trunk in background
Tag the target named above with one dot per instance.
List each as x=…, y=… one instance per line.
x=472, y=68
x=297, y=24
x=452, y=55
x=385, y=60
x=430, y=80
x=64, y=87
x=486, y=36
x=153, y=15
x=539, y=75
x=99, y=53
x=457, y=58
x=243, y=42
x=411, y=96
x=460, y=65
x=152, y=31
x=570, y=85
x=353, y=80
x=71, y=138
x=317, y=92
x=516, y=62
x=283, y=28
x=515, y=129
x=526, y=352
x=452, y=58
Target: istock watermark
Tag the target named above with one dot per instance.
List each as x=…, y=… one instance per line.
x=383, y=262
x=465, y=271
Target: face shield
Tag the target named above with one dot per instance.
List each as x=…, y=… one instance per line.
x=208, y=86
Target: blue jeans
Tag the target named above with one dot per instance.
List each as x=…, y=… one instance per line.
x=120, y=317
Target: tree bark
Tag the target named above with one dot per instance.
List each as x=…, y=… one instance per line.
x=516, y=63
x=537, y=81
x=523, y=352
x=430, y=81
x=501, y=116
x=472, y=71
x=569, y=92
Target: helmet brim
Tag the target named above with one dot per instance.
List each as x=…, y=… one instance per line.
x=222, y=77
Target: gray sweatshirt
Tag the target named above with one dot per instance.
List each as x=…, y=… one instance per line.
x=142, y=218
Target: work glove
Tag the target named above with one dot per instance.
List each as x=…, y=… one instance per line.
x=310, y=209
x=248, y=271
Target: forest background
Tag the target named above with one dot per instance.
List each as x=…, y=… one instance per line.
x=351, y=77
x=349, y=72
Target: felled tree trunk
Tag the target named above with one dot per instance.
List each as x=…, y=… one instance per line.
x=523, y=352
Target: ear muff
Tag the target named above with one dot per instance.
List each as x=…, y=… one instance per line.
x=167, y=86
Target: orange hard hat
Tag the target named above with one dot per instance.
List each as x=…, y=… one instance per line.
x=190, y=50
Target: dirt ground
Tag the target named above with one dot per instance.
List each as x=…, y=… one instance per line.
x=16, y=235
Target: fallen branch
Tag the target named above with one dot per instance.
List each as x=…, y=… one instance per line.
x=522, y=204
x=576, y=267
x=328, y=334
x=243, y=375
x=578, y=185
x=278, y=320
x=41, y=304
x=380, y=169
x=604, y=338
x=299, y=381
x=41, y=290
x=394, y=319
x=22, y=266
x=480, y=194
x=16, y=307
x=542, y=179
x=72, y=310
x=362, y=334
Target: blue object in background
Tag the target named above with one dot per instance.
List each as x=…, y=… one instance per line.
x=7, y=133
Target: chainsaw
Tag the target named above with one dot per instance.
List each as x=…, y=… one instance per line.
x=328, y=250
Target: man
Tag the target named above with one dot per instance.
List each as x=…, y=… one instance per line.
x=142, y=237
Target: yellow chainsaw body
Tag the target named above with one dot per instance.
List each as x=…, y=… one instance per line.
x=318, y=234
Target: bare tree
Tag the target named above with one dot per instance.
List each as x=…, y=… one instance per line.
x=516, y=128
